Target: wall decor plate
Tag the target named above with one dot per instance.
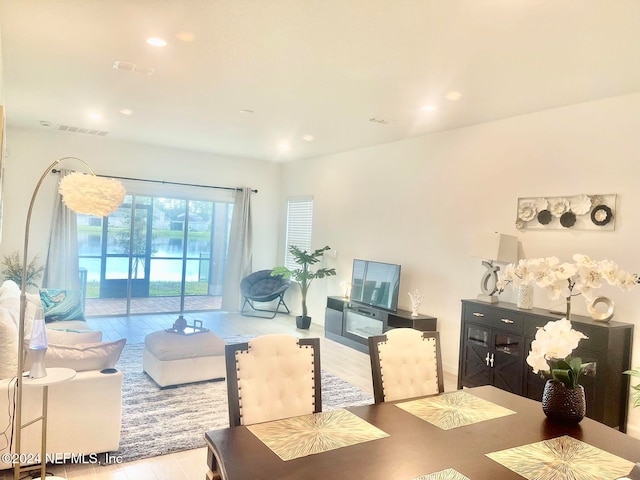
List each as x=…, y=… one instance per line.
x=570, y=212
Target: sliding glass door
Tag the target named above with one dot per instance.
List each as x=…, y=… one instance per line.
x=155, y=254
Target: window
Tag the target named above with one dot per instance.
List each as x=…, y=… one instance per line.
x=299, y=223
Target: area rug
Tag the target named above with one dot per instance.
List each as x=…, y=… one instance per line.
x=157, y=422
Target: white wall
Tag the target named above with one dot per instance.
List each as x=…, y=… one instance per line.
x=418, y=203
x=31, y=151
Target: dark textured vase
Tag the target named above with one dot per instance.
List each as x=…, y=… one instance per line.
x=562, y=404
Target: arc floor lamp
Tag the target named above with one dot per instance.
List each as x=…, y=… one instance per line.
x=82, y=193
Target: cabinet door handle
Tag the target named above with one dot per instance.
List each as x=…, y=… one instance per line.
x=486, y=360
x=506, y=320
x=491, y=361
x=477, y=314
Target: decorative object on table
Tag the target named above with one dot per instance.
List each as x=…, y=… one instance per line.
x=82, y=193
x=181, y=327
x=180, y=324
x=304, y=276
x=598, y=314
x=563, y=397
x=493, y=247
x=562, y=457
x=525, y=296
x=346, y=288
x=38, y=346
x=567, y=279
x=577, y=212
x=416, y=300
x=12, y=269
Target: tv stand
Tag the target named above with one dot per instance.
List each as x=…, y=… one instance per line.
x=352, y=324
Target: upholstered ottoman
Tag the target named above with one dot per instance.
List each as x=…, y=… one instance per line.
x=172, y=359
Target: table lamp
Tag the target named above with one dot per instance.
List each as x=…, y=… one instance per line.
x=38, y=346
x=493, y=247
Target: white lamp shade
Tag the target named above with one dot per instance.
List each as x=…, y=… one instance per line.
x=495, y=247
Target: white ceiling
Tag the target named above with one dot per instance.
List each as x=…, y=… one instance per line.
x=307, y=67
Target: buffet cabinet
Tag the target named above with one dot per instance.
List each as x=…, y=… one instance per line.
x=495, y=340
x=352, y=324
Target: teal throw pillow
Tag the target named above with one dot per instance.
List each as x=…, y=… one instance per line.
x=60, y=305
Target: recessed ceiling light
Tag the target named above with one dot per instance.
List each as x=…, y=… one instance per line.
x=308, y=138
x=156, y=42
x=283, y=146
x=186, y=36
x=95, y=116
x=126, y=111
x=429, y=108
x=453, y=96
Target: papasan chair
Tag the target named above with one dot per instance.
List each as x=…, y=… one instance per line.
x=261, y=287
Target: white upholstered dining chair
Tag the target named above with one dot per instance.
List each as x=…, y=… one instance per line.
x=273, y=377
x=405, y=363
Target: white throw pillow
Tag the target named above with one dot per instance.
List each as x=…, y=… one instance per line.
x=87, y=356
x=72, y=337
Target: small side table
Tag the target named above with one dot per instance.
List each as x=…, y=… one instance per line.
x=54, y=375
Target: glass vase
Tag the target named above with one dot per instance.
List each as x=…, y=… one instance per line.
x=562, y=404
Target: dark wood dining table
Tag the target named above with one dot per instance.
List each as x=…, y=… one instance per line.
x=413, y=446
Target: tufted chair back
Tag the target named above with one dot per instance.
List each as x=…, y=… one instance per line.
x=273, y=377
x=405, y=363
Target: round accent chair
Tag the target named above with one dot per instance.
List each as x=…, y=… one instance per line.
x=262, y=287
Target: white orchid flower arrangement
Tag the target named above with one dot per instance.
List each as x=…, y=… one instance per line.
x=566, y=279
x=551, y=353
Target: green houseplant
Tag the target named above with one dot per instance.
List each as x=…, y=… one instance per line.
x=303, y=275
x=12, y=269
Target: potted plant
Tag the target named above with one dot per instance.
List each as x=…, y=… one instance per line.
x=304, y=276
x=12, y=269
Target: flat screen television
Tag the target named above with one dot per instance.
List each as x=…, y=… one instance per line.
x=375, y=284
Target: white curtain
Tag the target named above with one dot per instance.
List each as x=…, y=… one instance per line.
x=62, y=268
x=240, y=251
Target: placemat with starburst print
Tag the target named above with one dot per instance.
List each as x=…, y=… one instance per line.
x=562, y=458
x=455, y=409
x=447, y=474
x=297, y=437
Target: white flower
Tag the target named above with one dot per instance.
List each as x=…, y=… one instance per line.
x=580, y=204
x=555, y=341
x=566, y=279
x=558, y=206
x=527, y=211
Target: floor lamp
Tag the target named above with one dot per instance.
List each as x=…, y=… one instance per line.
x=82, y=193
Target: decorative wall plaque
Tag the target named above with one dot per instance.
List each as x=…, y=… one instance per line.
x=574, y=212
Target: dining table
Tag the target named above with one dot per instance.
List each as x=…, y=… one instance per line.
x=479, y=433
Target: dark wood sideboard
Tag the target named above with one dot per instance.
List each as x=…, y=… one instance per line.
x=495, y=340
x=352, y=324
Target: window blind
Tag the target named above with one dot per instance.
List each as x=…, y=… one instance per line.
x=299, y=226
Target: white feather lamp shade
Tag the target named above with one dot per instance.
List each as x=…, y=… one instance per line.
x=92, y=195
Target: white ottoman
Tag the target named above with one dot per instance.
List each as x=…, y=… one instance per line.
x=172, y=359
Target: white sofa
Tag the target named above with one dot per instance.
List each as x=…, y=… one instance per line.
x=85, y=413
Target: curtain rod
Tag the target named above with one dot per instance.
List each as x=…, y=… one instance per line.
x=254, y=190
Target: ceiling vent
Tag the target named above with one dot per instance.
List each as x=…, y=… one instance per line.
x=132, y=67
x=86, y=131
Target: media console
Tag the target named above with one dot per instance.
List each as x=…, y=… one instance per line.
x=352, y=324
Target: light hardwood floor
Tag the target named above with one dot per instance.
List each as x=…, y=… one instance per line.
x=339, y=360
